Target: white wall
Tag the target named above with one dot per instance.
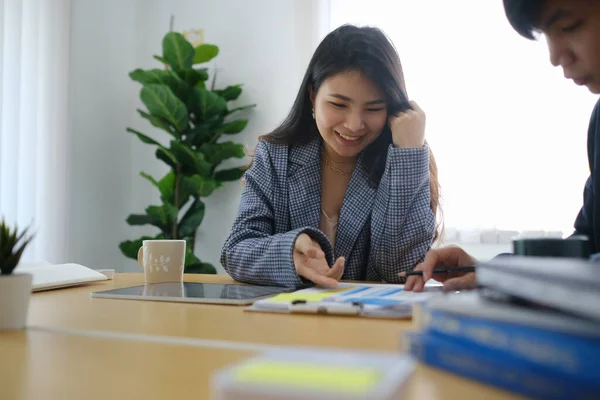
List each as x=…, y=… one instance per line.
x=264, y=44
x=102, y=99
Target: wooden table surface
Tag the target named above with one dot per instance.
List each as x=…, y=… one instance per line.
x=78, y=347
x=74, y=308
x=46, y=365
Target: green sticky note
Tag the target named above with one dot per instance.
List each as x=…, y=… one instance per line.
x=301, y=375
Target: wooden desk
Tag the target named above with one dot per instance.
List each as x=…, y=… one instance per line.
x=69, y=359
x=73, y=308
x=42, y=365
x=45, y=365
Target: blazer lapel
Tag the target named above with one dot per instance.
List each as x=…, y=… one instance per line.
x=356, y=209
x=304, y=184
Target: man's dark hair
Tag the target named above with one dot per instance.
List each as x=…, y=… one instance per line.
x=523, y=15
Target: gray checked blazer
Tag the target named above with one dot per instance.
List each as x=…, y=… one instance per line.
x=381, y=231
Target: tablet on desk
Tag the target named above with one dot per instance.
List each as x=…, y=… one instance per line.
x=192, y=292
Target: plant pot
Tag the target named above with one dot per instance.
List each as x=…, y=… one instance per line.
x=15, y=291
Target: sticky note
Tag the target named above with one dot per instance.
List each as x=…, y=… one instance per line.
x=307, y=296
x=301, y=375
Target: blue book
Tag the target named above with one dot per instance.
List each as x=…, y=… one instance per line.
x=501, y=370
x=575, y=356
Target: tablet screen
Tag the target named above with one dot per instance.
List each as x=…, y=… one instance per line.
x=194, y=292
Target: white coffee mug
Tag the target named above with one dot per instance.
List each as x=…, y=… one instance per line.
x=162, y=260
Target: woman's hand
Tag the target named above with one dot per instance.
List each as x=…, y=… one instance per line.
x=408, y=128
x=310, y=263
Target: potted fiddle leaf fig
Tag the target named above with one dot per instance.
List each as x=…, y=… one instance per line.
x=197, y=121
x=15, y=287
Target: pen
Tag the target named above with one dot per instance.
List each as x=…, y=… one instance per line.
x=438, y=271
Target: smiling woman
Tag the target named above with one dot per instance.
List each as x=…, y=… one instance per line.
x=346, y=186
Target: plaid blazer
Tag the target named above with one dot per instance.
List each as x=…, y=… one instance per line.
x=381, y=231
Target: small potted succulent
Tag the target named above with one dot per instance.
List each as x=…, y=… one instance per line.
x=15, y=288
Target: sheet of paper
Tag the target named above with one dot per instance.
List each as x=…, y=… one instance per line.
x=375, y=299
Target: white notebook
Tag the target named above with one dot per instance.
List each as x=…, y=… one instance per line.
x=51, y=276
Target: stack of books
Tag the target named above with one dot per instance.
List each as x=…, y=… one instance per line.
x=533, y=328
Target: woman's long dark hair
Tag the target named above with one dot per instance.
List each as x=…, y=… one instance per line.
x=352, y=48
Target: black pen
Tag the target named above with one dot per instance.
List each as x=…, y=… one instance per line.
x=438, y=271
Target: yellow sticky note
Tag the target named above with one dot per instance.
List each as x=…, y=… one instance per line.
x=314, y=296
x=309, y=376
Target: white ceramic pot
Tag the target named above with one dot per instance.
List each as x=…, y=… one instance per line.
x=15, y=291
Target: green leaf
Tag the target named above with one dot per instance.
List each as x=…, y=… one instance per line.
x=190, y=258
x=157, y=121
x=178, y=52
x=215, y=153
x=201, y=133
x=205, y=53
x=130, y=248
x=198, y=186
x=12, y=245
x=193, y=76
x=186, y=157
x=171, y=212
x=208, y=104
x=191, y=219
x=235, y=126
x=200, y=268
x=163, y=216
x=139, y=219
x=162, y=60
x=192, y=162
x=204, y=166
x=232, y=174
x=240, y=109
x=157, y=216
x=203, y=72
x=167, y=157
x=143, y=137
x=149, y=178
x=162, y=77
x=167, y=187
x=151, y=76
x=230, y=93
x=161, y=102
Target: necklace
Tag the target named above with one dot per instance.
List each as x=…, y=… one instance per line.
x=339, y=171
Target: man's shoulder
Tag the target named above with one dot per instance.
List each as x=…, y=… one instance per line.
x=594, y=132
x=595, y=120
